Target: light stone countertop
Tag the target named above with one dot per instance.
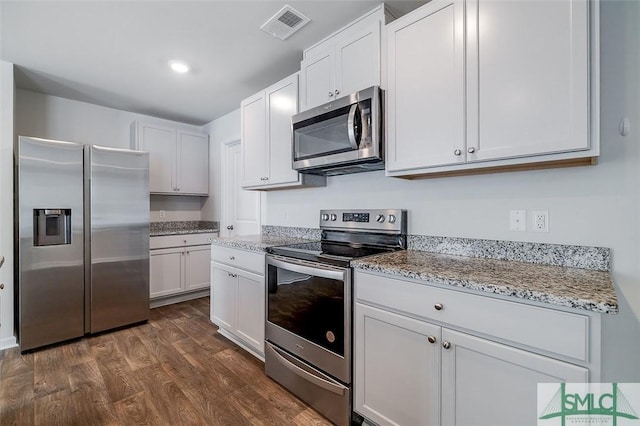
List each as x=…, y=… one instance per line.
x=256, y=242
x=159, y=233
x=556, y=285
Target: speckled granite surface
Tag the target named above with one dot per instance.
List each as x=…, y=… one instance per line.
x=597, y=258
x=182, y=227
x=556, y=285
x=256, y=242
x=290, y=231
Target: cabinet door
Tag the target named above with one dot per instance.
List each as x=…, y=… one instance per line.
x=193, y=163
x=397, y=368
x=255, y=148
x=166, y=272
x=160, y=143
x=251, y=317
x=197, y=259
x=527, y=78
x=282, y=103
x=425, y=96
x=317, y=80
x=481, y=378
x=358, y=60
x=224, y=286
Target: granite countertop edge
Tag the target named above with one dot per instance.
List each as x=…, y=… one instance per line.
x=182, y=232
x=522, y=292
x=256, y=243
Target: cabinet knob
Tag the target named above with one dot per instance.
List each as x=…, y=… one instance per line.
x=457, y=152
x=232, y=275
x=438, y=306
x=337, y=92
x=446, y=344
x=1, y=286
x=331, y=94
x=232, y=258
x=471, y=150
x=431, y=339
x=230, y=227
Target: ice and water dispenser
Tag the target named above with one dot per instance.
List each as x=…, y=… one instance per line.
x=51, y=227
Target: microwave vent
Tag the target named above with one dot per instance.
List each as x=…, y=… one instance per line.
x=284, y=23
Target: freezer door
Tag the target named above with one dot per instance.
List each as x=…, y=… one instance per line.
x=118, y=259
x=50, y=271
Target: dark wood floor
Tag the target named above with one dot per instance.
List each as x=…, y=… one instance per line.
x=174, y=370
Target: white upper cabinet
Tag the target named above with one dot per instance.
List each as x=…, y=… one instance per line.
x=484, y=83
x=343, y=63
x=266, y=139
x=178, y=158
x=425, y=92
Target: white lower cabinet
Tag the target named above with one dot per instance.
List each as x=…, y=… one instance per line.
x=422, y=371
x=179, y=265
x=238, y=297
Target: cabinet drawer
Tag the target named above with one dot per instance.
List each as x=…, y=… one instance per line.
x=183, y=240
x=546, y=329
x=249, y=261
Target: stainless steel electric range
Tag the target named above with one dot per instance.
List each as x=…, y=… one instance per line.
x=309, y=308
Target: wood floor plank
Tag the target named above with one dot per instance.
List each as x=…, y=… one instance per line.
x=16, y=399
x=174, y=370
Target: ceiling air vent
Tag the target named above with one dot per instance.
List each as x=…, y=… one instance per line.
x=284, y=23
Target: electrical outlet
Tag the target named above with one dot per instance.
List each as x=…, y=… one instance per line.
x=540, y=221
x=163, y=214
x=518, y=220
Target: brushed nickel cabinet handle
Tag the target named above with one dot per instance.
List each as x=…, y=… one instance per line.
x=438, y=306
x=446, y=344
x=431, y=339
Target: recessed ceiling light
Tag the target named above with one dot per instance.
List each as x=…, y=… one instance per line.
x=179, y=66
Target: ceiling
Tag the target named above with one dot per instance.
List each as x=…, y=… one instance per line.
x=116, y=54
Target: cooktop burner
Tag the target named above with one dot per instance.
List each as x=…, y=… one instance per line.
x=351, y=234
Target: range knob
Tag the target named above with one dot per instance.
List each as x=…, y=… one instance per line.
x=391, y=219
x=324, y=217
x=380, y=218
x=333, y=217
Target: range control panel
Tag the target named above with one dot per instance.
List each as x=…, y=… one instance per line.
x=368, y=220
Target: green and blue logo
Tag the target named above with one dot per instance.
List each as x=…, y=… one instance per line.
x=588, y=403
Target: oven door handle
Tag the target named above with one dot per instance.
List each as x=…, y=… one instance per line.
x=318, y=271
x=304, y=374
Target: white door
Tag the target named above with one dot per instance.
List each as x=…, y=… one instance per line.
x=426, y=87
x=397, y=368
x=282, y=103
x=160, y=143
x=250, y=325
x=224, y=286
x=241, y=208
x=317, y=80
x=196, y=273
x=193, y=161
x=481, y=378
x=358, y=61
x=527, y=77
x=255, y=145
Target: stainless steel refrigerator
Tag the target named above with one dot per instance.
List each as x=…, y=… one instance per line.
x=82, y=245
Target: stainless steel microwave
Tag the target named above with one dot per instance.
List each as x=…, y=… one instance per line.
x=340, y=137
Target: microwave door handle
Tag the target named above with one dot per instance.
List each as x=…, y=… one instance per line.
x=351, y=122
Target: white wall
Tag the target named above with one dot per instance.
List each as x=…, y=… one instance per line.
x=595, y=206
x=223, y=130
x=52, y=117
x=7, y=93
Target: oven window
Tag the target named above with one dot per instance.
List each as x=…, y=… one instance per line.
x=308, y=306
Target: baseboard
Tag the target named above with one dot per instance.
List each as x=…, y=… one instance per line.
x=8, y=342
x=177, y=298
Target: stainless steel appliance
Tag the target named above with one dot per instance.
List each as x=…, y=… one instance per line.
x=83, y=240
x=340, y=137
x=309, y=305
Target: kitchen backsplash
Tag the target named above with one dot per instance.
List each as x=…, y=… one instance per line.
x=183, y=225
x=583, y=257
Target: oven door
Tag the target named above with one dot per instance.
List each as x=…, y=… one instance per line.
x=309, y=313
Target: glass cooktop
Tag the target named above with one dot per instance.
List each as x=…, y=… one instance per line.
x=339, y=254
